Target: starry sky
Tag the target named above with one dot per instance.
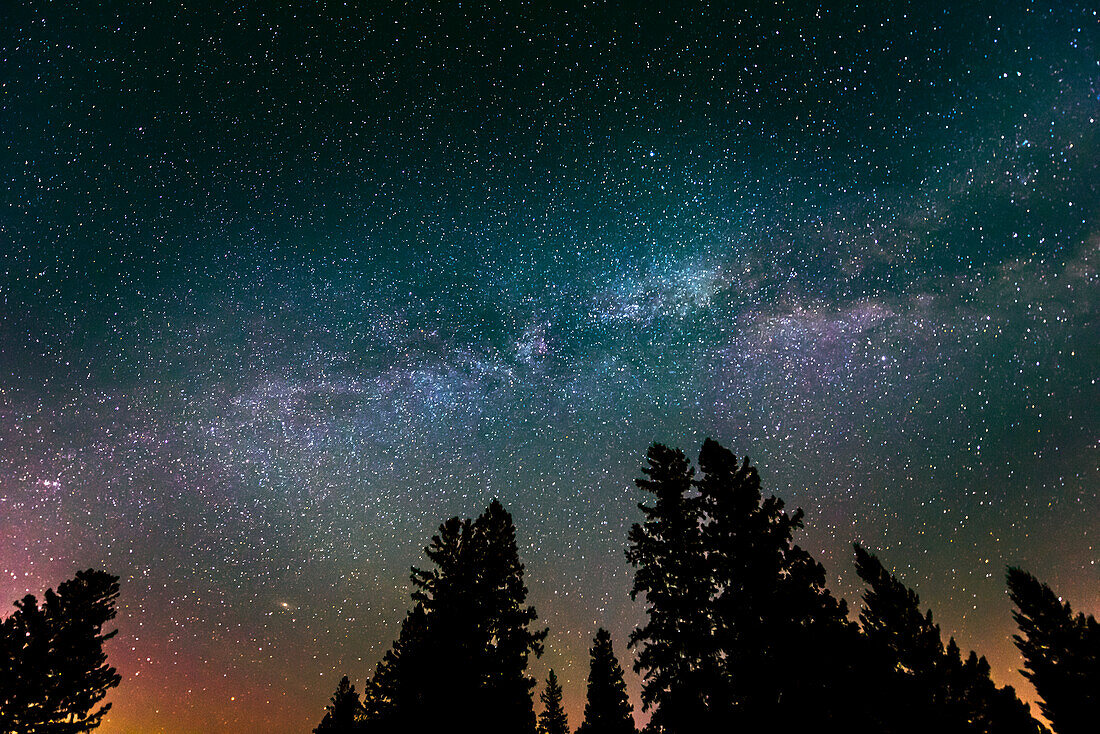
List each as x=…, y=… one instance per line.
x=284, y=285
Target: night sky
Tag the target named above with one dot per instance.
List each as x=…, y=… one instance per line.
x=282, y=289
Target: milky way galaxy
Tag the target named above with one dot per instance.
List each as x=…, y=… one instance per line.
x=282, y=288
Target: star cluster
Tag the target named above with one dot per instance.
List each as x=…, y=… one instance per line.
x=282, y=288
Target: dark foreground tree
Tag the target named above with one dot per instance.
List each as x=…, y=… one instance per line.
x=783, y=641
x=344, y=712
x=552, y=720
x=465, y=644
x=742, y=631
x=398, y=677
x=917, y=684
x=607, y=709
x=53, y=670
x=1061, y=653
x=509, y=640
x=675, y=654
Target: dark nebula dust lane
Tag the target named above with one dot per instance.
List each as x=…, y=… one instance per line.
x=281, y=289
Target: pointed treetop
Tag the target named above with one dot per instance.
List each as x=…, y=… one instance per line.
x=607, y=709
x=552, y=720
x=1061, y=653
x=344, y=712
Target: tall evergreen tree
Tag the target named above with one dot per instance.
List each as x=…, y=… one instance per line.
x=511, y=640
x=920, y=684
x=607, y=709
x=398, y=677
x=53, y=669
x=465, y=644
x=782, y=640
x=452, y=637
x=904, y=648
x=552, y=720
x=344, y=712
x=1061, y=654
x=971, y=696
x=667, y=553
x=741, y=627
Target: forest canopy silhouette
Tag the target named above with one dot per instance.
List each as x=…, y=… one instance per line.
x=741, y=633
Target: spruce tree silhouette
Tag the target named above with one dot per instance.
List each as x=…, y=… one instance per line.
x=781, y=648
x=904, y=648
x=742, y=631
x=921, y=685
x=452, y=635
x=552, y=720
x=398, y=677
x=53, y=670
x=607, y=709
x=344, y=713
x=503, y=596
x=974, y=701
x=470, y=627
x=667, y=553
x=1061, y=654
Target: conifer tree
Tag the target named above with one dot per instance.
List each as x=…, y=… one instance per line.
x=398, y=677
x=451, y=641
x=53, y=669
x=975, y=703
x=552, y=720
x=922, y=685
x=607, y=709
x=469, y=626
x=667, y=553
x=782, y=641
x=1061, y=654
x=904, y=640
x=511, y=640
x=742, y=630
x=344, y=712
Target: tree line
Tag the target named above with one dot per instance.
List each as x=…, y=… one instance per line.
x=741, y=634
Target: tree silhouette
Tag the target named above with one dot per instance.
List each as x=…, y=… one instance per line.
x=782, y=641
x=398, y=677
x=552, y=720
x=741, y=630
x=1061, y=654
x=470, y=627
x=921, y=685
x=975, y=702
x=904, y=647
x=344, y=713
x=510, y=642
x=667, y=553
x=741, y=633
x=53, y=670
x=607, y=709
